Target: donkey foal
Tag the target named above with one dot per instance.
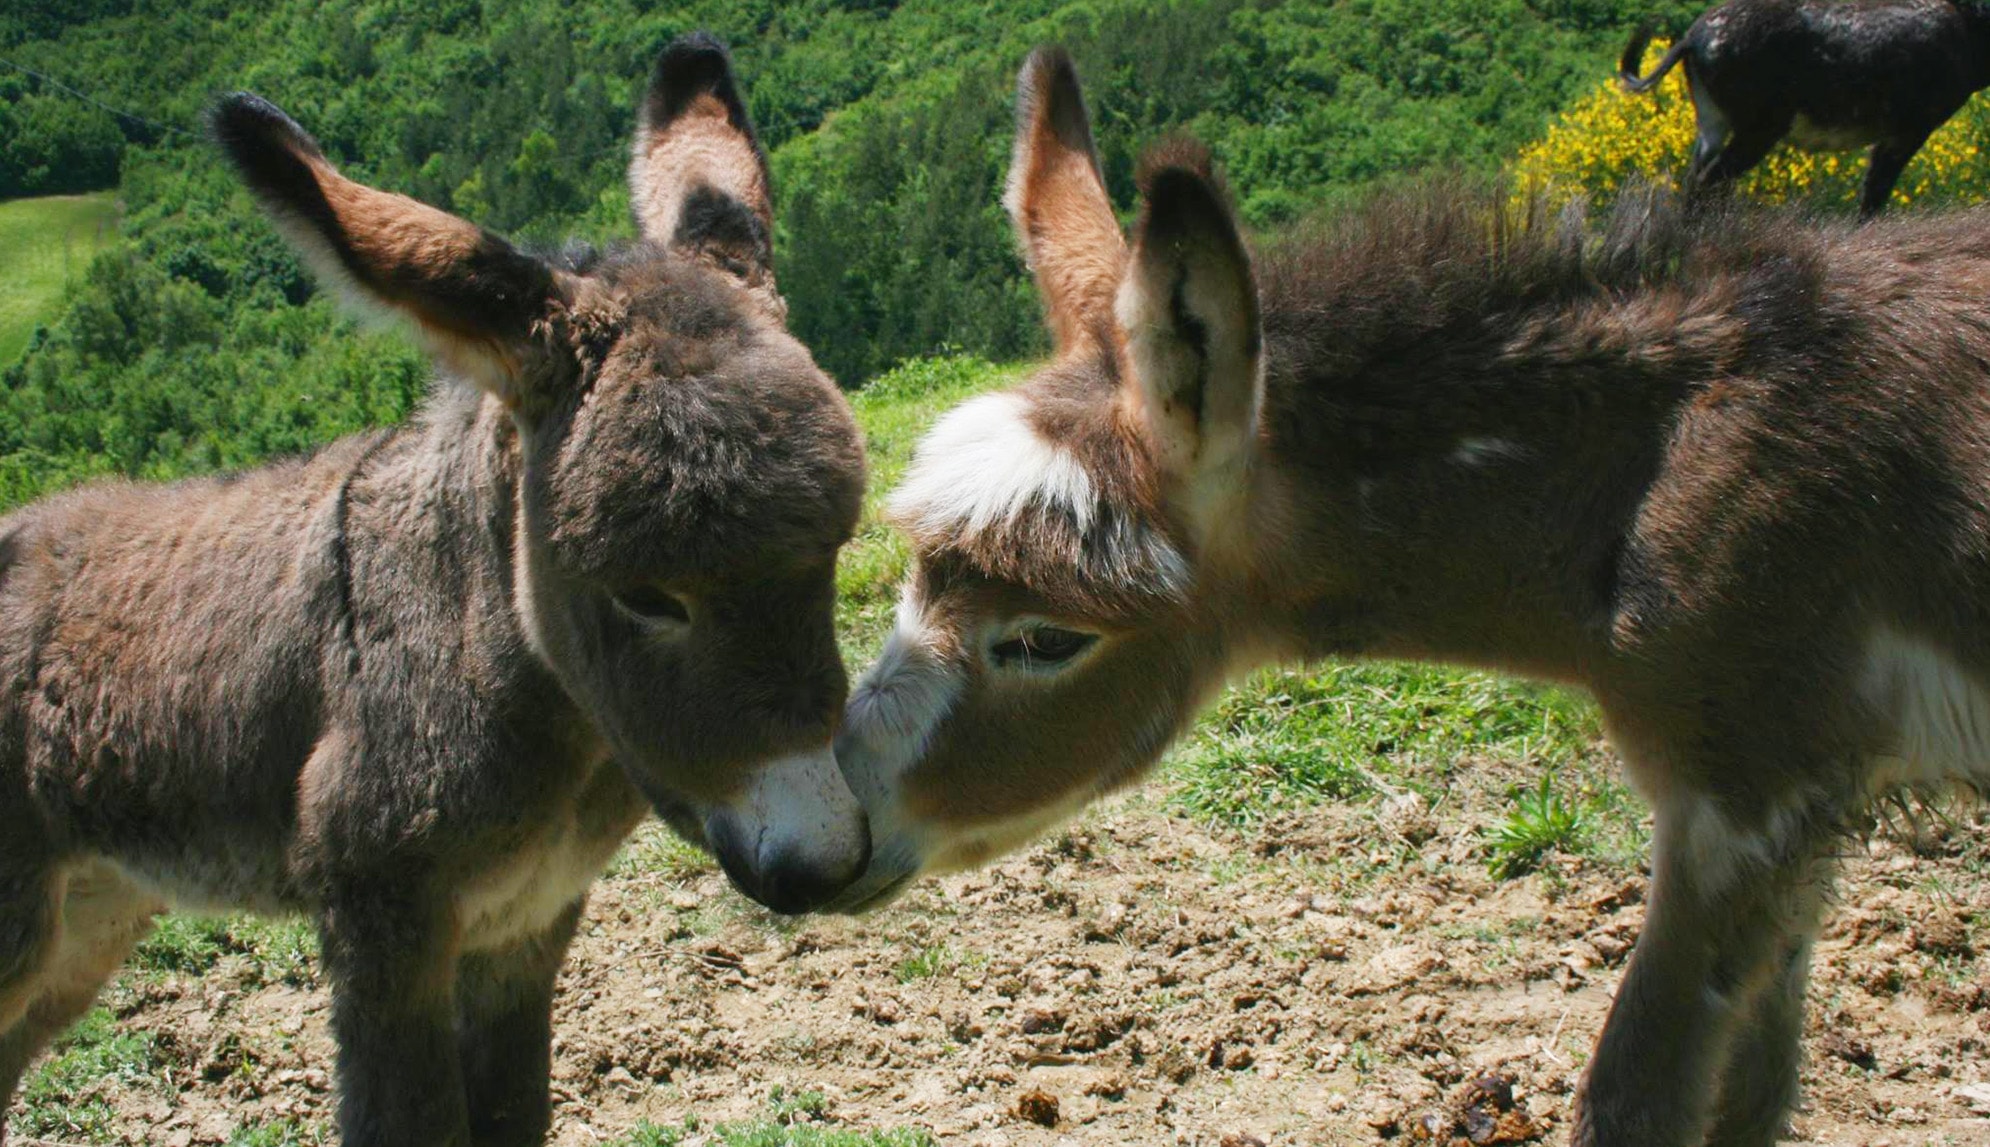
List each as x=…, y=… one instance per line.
x=1729, y=472
x=423, y=683
x=1829, y=74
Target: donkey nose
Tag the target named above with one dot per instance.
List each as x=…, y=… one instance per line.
x=796, y=838
x=792, y=883
x=786, y=875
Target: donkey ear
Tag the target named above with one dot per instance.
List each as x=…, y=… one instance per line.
x=1058, y=201
x=476, y=299
x=698, y=179
x=1189, y=310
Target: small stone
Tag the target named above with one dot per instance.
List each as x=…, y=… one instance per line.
x=1037, y=1106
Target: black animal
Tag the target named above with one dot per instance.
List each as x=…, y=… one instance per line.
x=1828, y=74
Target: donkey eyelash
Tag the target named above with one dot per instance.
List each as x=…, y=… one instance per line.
x=1035, y=645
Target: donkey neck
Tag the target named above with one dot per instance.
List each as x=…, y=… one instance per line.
x=1454, y=448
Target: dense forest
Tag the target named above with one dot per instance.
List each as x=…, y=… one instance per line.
x=198, y=342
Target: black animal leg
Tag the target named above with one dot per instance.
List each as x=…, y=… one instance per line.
x=1889, y=159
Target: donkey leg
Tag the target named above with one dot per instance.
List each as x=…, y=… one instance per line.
x=101, y=919
x=504, y=1030
x=1720, y=908
x=1888, y=160
x=1758, y=1086
x=1748, y=146
x=392, y=960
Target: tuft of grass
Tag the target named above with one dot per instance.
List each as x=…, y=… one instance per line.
x=925, y=964
x=654, y=850
x=45, y=243
x=69, y=1098
x=277, y=951
x=279, y=1133
x=1542, y=821
x=798, y=1107
x=1291, y=737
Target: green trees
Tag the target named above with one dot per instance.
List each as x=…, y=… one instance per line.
x=201, y=342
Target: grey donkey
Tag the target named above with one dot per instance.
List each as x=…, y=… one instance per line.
x=422, y=684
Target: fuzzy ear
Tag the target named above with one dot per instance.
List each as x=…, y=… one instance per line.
x=698, y=179
x=475, y=298
x=1189, y=310
x=1058, y=201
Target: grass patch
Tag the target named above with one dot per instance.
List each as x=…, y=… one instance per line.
x=276, y=951
x=279, y=1133
x=69, y=1099
x=654, y=850
x=1338, y=731
x=45, y=244
x=1542, y=821
x=926, y=963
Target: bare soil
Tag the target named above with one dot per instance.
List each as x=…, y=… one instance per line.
x=1341, y=975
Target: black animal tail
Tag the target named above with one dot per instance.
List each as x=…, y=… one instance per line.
x=1634, y=54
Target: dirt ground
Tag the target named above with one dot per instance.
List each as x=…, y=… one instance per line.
x=1343, y=975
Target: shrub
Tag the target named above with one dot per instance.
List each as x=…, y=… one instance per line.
x=1610, y=136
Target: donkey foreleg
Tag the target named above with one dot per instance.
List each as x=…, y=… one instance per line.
x=1749, y=145
x=1725, y=902
x=504, y=1033
x=1883, y=168
x=392, y=965
x=1758, y=1086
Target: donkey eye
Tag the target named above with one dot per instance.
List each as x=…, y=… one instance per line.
x=649, y=604
x=1041, y=646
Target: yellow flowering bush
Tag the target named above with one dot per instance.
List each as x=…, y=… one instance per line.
x=1610, y=135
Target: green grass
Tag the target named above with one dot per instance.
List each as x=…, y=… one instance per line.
x=1542, y=821
x=1340, y=730
x=65, y=1098
x=44, y=244
x=276, y=951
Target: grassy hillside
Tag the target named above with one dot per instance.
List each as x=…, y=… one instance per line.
x=45, y=244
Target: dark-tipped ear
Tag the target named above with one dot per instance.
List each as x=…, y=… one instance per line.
x=698, y=180
x=1189, y=310
x=1057, y=199
x=475, y=298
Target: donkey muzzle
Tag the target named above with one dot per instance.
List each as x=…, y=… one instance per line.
x=796, y=838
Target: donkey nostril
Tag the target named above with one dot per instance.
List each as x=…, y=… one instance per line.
x=792, y=882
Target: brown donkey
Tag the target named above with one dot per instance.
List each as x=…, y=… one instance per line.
x=1731, y=473
x=423, y=683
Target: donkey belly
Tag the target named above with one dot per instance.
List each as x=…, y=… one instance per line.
x=1812, y=135
x=1936, y=714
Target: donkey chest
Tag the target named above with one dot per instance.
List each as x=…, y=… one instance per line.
x=521, y=891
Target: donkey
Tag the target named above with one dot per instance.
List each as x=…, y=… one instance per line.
x=422, y=684
x=1832, y=75
x=1729, y=472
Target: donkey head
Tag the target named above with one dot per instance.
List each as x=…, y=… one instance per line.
x=1075, y=539
x=683, y=473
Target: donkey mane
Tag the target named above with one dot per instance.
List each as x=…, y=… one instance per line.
x=1435, y=311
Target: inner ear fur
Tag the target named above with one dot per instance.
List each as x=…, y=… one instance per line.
x=1057, y=199
x=1189, y=313
x=477, y=299
x=698, y=177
